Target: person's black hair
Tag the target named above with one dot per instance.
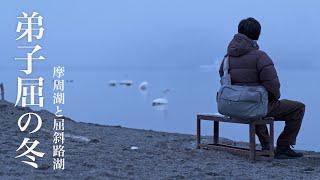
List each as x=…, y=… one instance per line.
x=250, y=27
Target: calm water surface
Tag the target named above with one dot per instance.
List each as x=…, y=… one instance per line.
x=89, y=98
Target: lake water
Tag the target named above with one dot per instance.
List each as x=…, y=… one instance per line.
x=89, y=98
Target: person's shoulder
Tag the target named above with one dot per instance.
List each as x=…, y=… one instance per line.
x=263, y=58
x=260, y=53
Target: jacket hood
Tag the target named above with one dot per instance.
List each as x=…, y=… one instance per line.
x=241, y=44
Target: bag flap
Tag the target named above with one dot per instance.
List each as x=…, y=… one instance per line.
x=251, y=95
x=230, y=93
x=241, y=93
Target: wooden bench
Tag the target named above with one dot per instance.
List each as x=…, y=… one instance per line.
x=252, y=135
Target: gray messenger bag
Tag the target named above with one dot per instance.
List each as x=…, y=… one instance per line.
x=242, y=102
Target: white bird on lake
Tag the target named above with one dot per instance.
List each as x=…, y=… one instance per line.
x=112, y=83
x=161, y=101
x=126, y=82
x=143, y=86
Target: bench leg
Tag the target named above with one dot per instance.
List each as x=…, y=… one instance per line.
x=252, y=137
x=198, y=132
x=215, y=132
x=271, y=141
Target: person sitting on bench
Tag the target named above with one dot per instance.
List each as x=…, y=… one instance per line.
x=251, y=67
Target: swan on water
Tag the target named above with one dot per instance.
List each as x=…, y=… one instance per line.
x=126, y=82
x=163, y=100
x=143, y=86
x=159, y=101
x=112, y=83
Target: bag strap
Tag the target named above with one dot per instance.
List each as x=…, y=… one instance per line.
x=226, y=66
x=226, y=78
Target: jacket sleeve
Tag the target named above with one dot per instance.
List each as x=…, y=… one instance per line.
x=268, y=76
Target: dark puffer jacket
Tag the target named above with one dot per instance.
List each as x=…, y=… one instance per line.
x=251, y=67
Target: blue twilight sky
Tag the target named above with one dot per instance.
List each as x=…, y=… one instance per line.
x=161, y=33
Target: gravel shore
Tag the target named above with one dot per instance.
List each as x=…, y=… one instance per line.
x=95, y=151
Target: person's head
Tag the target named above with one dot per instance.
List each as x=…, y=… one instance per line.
x=250, y=27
